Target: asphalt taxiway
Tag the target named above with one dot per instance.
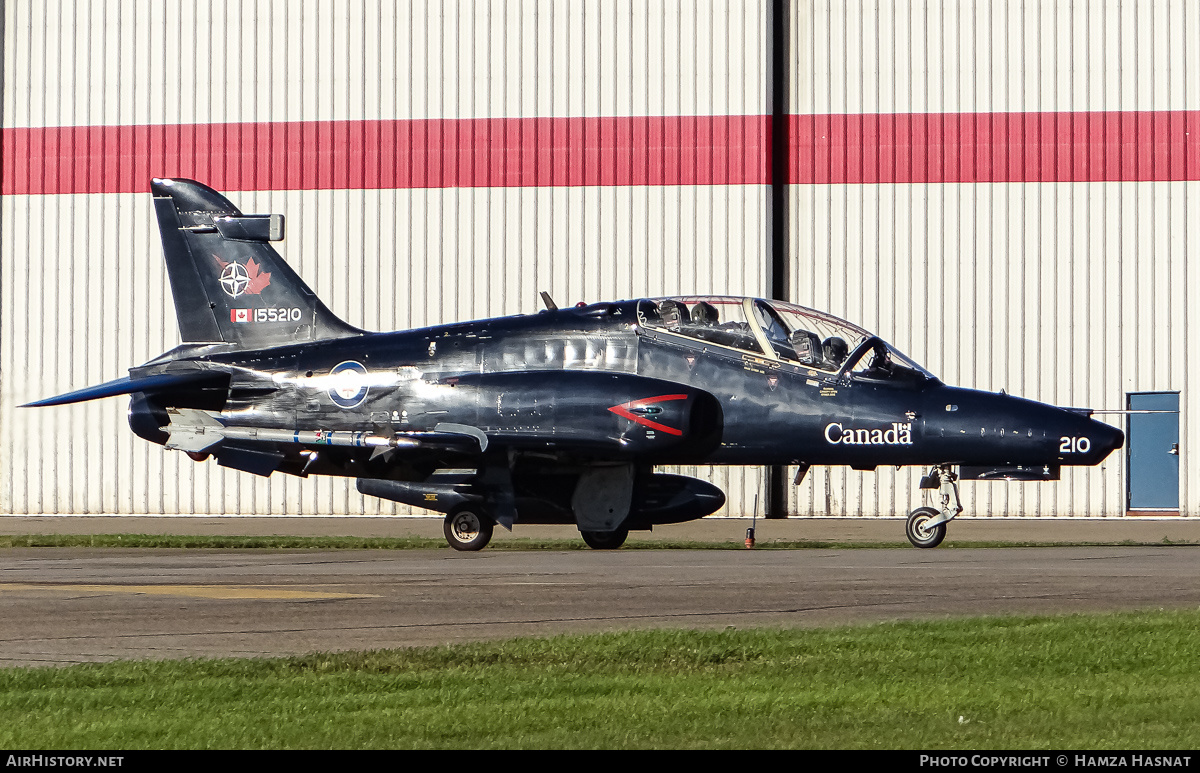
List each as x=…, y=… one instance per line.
x=72, y=605
x=711, y=529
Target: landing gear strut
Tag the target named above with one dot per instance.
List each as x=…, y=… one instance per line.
x=926, y=527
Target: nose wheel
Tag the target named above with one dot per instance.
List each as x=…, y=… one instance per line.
x=926, y=526
x=920, y=533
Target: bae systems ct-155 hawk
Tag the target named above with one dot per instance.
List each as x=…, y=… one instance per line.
x=555, y=417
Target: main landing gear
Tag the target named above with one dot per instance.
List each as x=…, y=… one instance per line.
x=466, y=528
x=926, y=526
x=605, y=540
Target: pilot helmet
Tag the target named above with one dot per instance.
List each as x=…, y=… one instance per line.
x=704, y=313
x=835, y=349
x=673, y=313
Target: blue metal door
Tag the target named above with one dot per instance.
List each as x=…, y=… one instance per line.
x=1153, y=439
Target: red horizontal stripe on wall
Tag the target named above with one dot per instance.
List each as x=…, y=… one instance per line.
x=552, y=152
x=471, y=153
x=995, y=147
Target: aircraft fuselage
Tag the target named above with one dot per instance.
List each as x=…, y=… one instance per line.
x=504, y=377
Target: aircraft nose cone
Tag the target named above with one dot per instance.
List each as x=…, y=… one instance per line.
x=1116, y=437
x=1105, y=439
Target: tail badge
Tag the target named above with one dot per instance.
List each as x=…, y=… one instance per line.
x=237, y=280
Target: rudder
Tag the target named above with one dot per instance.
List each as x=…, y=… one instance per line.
x=229, y=284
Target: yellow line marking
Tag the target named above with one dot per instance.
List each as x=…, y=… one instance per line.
x=195, y=591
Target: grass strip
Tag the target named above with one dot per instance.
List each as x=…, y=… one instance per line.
x=1112, y=681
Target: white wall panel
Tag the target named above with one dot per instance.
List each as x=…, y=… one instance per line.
x=950, y=56
x=113, y=62
x=85, y=297
x=83, y=288
x=1070, y=292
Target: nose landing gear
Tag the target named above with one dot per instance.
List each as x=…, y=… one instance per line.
x=926, y=526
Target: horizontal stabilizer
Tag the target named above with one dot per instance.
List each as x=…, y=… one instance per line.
x=121, y=386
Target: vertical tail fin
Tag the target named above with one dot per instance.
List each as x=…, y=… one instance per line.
x=229, y=284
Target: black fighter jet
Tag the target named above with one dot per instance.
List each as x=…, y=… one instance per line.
x=555, y=417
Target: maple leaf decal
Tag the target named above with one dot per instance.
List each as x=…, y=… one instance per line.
x=258, y=279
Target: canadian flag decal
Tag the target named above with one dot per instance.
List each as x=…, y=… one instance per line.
x=239, y=315
x=638, y=411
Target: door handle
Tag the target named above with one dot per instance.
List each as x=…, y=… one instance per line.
x=1174, y=449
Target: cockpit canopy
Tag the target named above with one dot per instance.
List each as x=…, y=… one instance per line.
x=781, y=331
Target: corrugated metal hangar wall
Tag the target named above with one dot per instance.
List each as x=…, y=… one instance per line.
x=1003, y=190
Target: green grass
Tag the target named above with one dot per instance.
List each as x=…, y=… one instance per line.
x=429, y=543
x=1118, y=681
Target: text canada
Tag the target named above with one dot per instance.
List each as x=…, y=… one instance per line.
x=897, y=435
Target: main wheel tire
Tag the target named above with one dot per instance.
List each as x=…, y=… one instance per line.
x=605, y=540
x=468, y=529
x=919, y=533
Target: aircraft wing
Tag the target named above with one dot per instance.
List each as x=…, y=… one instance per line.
x=582, y=416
